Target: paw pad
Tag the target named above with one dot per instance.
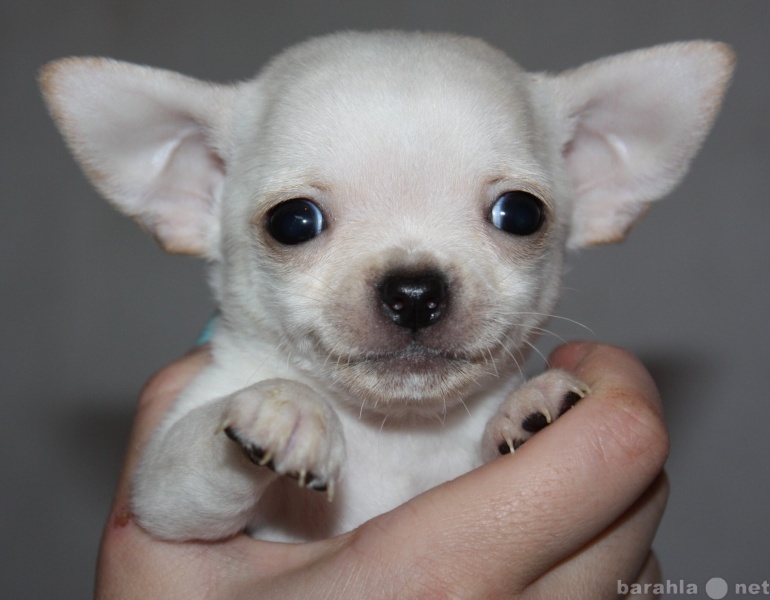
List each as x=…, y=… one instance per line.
x=530, y=409
x=536, y=421
x=254, y=453
x=262, y=458
x=505, y=448
x=571, y=398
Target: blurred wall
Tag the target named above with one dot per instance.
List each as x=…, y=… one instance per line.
x=90, y=307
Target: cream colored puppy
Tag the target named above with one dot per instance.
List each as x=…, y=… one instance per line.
x=385, y=216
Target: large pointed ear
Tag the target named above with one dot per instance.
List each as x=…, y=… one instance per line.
x=153, y=142
x=629, y=127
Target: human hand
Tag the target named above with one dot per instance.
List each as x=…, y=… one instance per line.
x=568, y=515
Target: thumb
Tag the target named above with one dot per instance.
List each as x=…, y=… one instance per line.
x=519, y=515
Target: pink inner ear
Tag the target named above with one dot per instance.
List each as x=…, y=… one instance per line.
x=595, y=158
x=636, y=122
x=148, y=140
x=181, y=204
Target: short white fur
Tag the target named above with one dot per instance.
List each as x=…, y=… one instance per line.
x=404, y=141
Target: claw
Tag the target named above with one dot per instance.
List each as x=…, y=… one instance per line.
x=547, y=415
x=265, y=459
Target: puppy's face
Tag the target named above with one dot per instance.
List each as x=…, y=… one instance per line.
x=396, y=224
x=389, y=210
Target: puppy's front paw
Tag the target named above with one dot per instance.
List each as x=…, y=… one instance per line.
x=284, y=426
x=530, y=408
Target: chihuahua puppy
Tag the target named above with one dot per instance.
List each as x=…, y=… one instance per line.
x=385, y=216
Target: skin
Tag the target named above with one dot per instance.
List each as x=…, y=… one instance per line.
x=567, y=515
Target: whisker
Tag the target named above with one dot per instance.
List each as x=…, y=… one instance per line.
x=491, y=359
x=465, y=406
x=505, y=347
x=442, y=415
x=556, y=317
x=543, y=331
x=361, y=412
x=321, y=281
x=531, y=345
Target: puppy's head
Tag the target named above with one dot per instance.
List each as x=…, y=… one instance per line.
x=391, y=209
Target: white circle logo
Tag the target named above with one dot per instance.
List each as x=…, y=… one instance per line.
x=716, y=588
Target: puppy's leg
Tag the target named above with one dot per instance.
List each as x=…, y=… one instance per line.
x=533, y=406
x=203, y=477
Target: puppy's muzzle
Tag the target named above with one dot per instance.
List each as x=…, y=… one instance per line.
x=414, y=301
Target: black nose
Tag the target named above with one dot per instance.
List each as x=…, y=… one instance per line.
x=414, y=301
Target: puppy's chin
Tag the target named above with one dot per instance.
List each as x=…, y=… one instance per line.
x=413, y=380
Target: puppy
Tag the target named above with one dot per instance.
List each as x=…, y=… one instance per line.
x=385, y=216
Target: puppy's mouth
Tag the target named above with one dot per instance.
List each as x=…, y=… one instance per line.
x=414, y=375
x=415, y=357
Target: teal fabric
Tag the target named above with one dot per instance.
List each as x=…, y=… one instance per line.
x=208, y=330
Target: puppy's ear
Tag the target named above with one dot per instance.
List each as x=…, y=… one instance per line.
x=153, y=142
x=630, y=125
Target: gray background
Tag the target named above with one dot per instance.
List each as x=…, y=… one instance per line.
x=90, y=307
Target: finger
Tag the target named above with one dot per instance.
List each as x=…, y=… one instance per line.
x=522, y=513
x=615, y=366
x=617, y=557
x=649, y=576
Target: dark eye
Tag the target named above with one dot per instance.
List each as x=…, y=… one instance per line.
x=519, y=213
x=295, y=221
